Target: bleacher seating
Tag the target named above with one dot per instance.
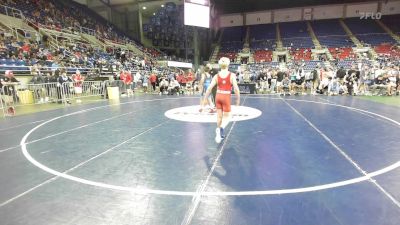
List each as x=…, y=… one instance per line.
x=368, y=31
x=335, y=41
x=297, y=43
x=166, y=28
x=262, y=32
x=301, y=54
x=392, y=22
x=346, y=64
x=327, y=28
x=331, y=34
x=387, y=50
x=257, y=67
x=295, y=35
x=262, y=37
x=293, y=29
x=232, y=42
x=311, y=65
x=263, y=56
x=358, y=26
x=342, y=53
x=234, y=34
x=376, y=39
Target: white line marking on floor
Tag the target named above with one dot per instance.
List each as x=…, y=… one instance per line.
x=87, y=110
x=21, y=125
x=64, y=174
x=146, y=191
x=202, y=187
x=345, y=155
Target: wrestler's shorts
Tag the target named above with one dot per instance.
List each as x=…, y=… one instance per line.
x=223, y=101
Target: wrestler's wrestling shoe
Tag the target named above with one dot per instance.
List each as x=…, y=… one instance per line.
x=212, y=110
x=218, y=137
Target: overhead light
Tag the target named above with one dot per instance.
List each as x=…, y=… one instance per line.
x=144, y=7
x=162, y=6
x=201, y=2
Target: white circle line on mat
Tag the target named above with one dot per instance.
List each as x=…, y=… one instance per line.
x=211, y=193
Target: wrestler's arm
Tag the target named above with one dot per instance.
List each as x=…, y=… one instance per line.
x=201, y=83
x=235, y=89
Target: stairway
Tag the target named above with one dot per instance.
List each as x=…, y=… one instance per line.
x=350, y=34
x=313, y=36
x=279, y=44
x=356, y=41
x=214, y=55
x=12, y=24
x=330, y=56
x=93, y=41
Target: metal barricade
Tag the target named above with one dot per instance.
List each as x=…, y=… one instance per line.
x=44, y=93
x=9, y=98
x=77, y=90
x=13, y=95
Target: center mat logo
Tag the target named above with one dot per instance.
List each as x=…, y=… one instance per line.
x=192, y=114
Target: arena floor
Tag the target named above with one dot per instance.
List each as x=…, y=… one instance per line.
x=305, y=160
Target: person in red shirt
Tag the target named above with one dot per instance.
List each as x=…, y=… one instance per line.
x=78, y=79
x=153, y=81
x=224, y=81
x=127, y=79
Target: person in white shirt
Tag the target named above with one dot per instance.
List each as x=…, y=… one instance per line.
x=174, y=87
x=136, y=80
x=164, y=86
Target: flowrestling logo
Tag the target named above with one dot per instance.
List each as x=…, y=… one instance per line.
x=192, y=114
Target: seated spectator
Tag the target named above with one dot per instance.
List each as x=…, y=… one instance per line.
x=8, y=91
x=285, y=86
x=174, y=87
x=381, y=83
x=164, y=86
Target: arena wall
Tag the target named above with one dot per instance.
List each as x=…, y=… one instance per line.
x=232, y=20
x=358, y=10
x=328, y=12
x=258, y=18
x=310, y=13
x=287, y=15
x=390, y=8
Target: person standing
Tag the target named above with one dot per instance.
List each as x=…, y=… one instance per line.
x=224, y=81
x=78, y=79
x=8, y=91
x=153, y=81
x=205, y=82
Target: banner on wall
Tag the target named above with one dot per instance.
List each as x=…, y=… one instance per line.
x=247, y=88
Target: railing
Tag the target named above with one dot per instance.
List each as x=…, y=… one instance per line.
x=45, y=69
x=14, y=95
x=85, y=30
x=84, y=89
x=13, y=12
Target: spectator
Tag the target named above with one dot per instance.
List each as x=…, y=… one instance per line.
x=153, y=81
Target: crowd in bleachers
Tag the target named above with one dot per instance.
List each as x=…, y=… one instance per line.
x=297, y=40
x=55, y=15
x=348, y=74
x=313, y=77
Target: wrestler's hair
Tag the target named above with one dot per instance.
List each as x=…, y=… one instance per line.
x=223, y=66
x=224, y=62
